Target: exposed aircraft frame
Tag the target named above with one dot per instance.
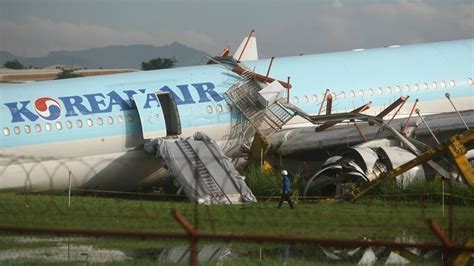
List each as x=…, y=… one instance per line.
x=455, y=146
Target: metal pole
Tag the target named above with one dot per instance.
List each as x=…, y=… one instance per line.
x=450, y=210
x=360, y=132
x=192, y=233
x=442, y=195
x=269, y=67
x=322, y=102
x=288, y=97
x=245, y=45
x=437, y=141
x=417, y=111
x=447, y=244
x=69, y=193
x=194, y=252
x=196, y=201
x=462, y=119
x=329, y=104
x=398, y=110
x=409, y=117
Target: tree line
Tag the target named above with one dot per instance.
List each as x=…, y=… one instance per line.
x=156, y=63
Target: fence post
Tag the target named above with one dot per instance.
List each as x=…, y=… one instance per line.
x=69, y=191
x=447, y=244
x=192, y=233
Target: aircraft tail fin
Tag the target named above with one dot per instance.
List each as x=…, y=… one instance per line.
x=249, y=48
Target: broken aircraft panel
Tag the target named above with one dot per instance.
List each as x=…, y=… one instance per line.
x=359, y=165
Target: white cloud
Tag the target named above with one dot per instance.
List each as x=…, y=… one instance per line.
x=37, y=36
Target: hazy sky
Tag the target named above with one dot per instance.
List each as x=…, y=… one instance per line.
x=36, y=27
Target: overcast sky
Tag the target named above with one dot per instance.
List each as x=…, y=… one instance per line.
x=37, y=27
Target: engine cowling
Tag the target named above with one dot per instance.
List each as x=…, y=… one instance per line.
x=358, y=165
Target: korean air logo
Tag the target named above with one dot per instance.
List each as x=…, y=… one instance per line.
x=48, y=108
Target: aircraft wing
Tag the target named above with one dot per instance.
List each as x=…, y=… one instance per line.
x=296, y=141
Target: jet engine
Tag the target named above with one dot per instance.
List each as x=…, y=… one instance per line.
x=361, y=164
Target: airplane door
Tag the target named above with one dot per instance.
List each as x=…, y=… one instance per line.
x=170, y=112
x=152, y=118
x=158, y=121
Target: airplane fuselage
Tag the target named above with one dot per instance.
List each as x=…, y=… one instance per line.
x=89, y=129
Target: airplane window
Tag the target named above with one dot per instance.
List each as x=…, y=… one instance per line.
x=219, y=108
x=89, y=122
x=315, y=98
x=48, y=126
x=452, y=83
x=389, y=89
x=110, y=120
x=27, y=129
x=130, y=118
x=59, y=126
x=305, y=99
x=407, y=87
x=398, y=88
x=470, y=82
x=417, y=87
x=38, y=128
x=6, y=131
x=434, y=85
x=209, y=109
x=79, y=123
x=370, y=91
x=342, y=95
x=120, y=119
x=16, y=130
x=69, y=124
x=361, y=92
x=229, y=107
x=443, y=84
x=425, y=86
x=296, y=100
x=100, y=121
x=352, y=93
x=379, y=90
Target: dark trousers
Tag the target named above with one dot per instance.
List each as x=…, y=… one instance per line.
x=285, y=196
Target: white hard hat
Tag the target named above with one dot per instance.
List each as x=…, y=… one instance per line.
x=284, y=172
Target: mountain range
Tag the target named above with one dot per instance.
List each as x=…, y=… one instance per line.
x=130, y=56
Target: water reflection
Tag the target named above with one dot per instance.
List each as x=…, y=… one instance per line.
x=285, y=252
x=62, y=249
x=56, y=249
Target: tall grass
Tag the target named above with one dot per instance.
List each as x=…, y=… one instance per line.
x=429, y=191
x=262, y=184
x=269, y=184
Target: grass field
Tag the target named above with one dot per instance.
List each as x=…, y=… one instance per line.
x=371, y=218
x=387, y=213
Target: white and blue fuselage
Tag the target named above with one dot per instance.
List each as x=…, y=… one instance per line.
x=88, y=130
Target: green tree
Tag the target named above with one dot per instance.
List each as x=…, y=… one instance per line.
x=67, y=74
x=158, y=63
x=13, y=64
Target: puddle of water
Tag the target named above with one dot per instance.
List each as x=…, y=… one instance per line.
x=62, y=253
x=63, y=249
